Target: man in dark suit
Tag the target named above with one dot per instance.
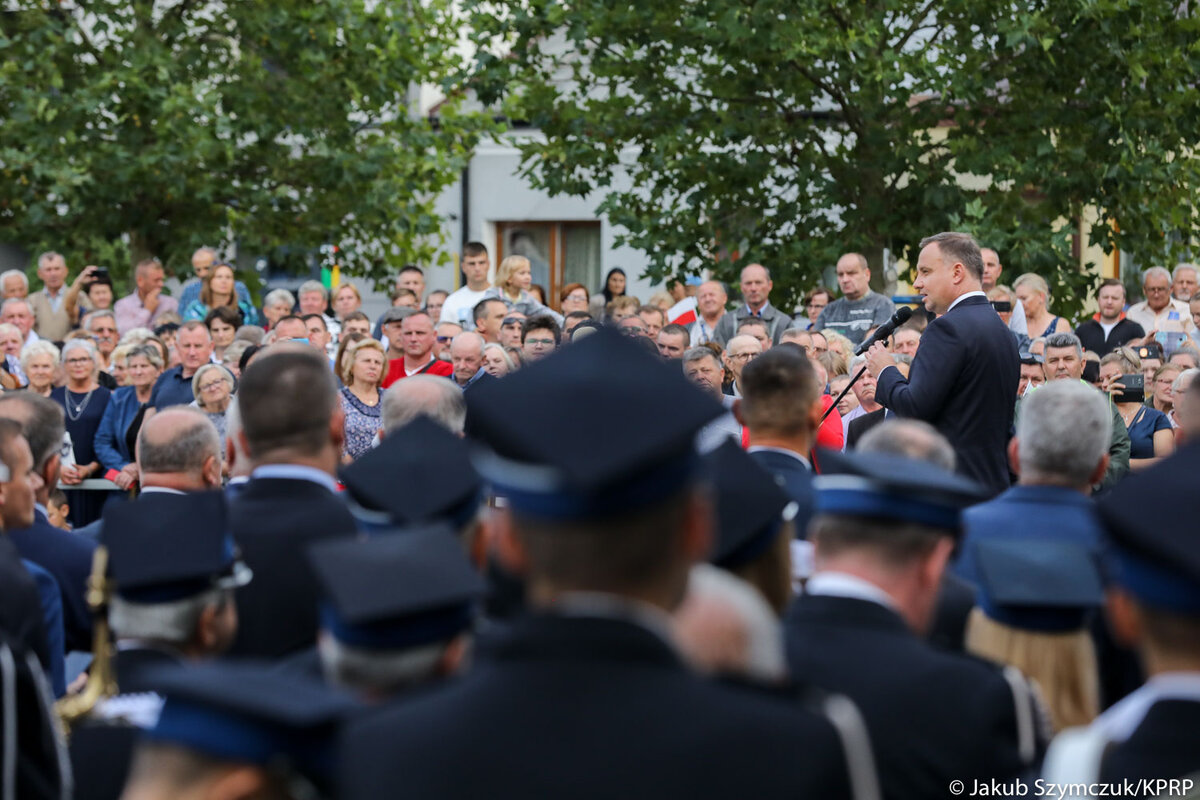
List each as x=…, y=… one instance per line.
x=292, y=432
x=595, y=649
x=1155, y=607
x=780, y=407
x=884, y=529
x=965, y=375
x=65, y=555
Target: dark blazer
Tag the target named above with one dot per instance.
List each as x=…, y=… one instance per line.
x=1163, y=746
x=101, y=750
x=933, y=717
x=859, y=426
x=963, y=382
x=68, y=557
x=20, y=606
x=777, y=323
x=1092, y=335
x=796, y=481
x=274, y=520
x=586, y=707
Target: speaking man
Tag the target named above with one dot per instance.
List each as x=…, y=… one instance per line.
x=965, y=375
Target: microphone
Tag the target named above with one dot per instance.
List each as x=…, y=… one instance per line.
x=886, y=329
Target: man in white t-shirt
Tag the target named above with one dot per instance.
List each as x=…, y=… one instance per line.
x=459, y=307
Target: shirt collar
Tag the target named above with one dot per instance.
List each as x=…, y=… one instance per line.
x=841, y=584
x=962, y=297
x=784, y=451
x=41, y=509
x=160, y=490
x=296, y=472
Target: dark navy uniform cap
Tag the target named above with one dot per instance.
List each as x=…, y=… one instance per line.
x=168, y=547
x=597, y=429
x=1151, y=518
x=751, y=507
x=419, y=473
x=892, y=487
x=251, y=713
x=1038, y=585
x=414, y=588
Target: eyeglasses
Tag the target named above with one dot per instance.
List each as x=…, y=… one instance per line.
x=630, y=330
x=204, y=387
x=539, y=342
x=444, y=339
x=817, y=305
x=742, y=356
x=79, y=361
x=1157, y=289
x=512, y=321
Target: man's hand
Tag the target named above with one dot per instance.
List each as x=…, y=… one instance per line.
x=879, y=359
x=151, y=301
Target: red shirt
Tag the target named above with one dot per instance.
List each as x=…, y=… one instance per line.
x=434, y=367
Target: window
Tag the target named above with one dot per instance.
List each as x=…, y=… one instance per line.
x=559, y=253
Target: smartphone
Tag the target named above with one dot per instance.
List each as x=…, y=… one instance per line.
x=1002, y=306
x=100, y=273
x=1152, y=350
x=1135, y=389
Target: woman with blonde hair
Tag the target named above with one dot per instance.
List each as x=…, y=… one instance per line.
x=514, y=276
x=346, y=300
x=362, y=368
x=1036, y=598
x=84, y=402
x=1034, y=296
x=496, y=362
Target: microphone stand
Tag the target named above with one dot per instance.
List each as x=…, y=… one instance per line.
x=838, y=399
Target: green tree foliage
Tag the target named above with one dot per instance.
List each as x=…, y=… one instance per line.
x=721, y=132
x=133, y=128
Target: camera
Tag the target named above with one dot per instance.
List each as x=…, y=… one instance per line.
x=1002, y=306
x=1152, y=350
x=1135, y=389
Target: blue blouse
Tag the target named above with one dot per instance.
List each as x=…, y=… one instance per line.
x=112, y=449
x=197, y=310
x=1146, y=423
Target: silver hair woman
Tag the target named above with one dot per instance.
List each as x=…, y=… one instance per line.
x=84, y=401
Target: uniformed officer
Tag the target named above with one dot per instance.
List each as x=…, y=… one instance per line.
x=398, y=611
x=175, y=573
x=238, y=731
x=1154, y=606
x=883, y=531
x=586, y=697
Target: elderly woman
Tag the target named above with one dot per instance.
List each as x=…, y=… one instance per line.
x=219, y=289
x=84, y=400
x=513, y=279
x=213, y=386
x=39, y=361
x=1034, y=295
x=1150, y=434
x=277, y=305
x=496, y=362
x=362, y=369
x=12, y=376
x=122, y=419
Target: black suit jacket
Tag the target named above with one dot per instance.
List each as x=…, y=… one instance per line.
x=68, y=557
x=589, y=708
x=861, y=424
x=274, y=520
x=1165, y=745
x=963, y=382
x=796, y=481
x=1092, y=335
x=933, y=717
x=21, y=606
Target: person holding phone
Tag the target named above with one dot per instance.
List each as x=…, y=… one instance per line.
x=96, y=285
x=1150, y=434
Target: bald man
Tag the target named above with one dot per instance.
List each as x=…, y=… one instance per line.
x=738, y=353
x=466, y=355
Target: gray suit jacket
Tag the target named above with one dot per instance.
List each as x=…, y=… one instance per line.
x=777, y=323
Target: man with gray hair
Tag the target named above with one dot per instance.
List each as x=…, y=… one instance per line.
x=1057, y=464
x=1064, y=362
x=50, y=314
x=16, y=311
x=14, y=283
x=1152, y=312
x=143, y=307
x=702, y=367
x=1185, y=281
x=436, y=397
x=313, y=299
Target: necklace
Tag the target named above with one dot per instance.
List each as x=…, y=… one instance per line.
x=80, y=406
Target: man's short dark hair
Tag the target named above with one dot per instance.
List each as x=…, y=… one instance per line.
x=355, y=316
x=227, y=314
x=897, y=544
x=675, y=329
x=480, y=308
x=578, y=315
x=42, y=423
x=10, y=431
x=958, y=247
x=752, y=322
x=1104, y=284
x=289, y=318
x=617, y=555
x=403, y=291
x=286, y=400
x=779, y=388
x=541, y=322
x=319, y=317
x=411, y=268
x=653, y=310
x=474, y=249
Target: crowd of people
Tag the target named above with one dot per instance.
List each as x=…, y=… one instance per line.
x=495, y=543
